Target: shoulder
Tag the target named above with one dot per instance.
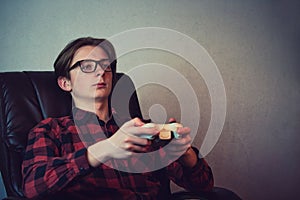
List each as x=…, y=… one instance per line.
x=53, y=125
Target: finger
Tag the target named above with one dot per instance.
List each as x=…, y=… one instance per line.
x=182, y=141
x=139, y=149
x=144, y=130
x=138, y=122
x=134, y=122
x=183, y=131
x=137, y=141
x=130, y=126
x=172, y=120
x=136, y=148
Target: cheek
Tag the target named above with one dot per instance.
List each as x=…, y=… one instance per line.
x=80, y=83
x=109, y=80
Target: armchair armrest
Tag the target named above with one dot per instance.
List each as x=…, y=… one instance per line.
x=217, y=193
x=14, y=198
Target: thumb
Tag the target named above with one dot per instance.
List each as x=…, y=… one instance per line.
x=134, y=122
x=172, y=120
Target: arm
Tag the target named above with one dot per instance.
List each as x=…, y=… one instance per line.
x=196, y=178
x=50, y=163
x=45, y=169
x=188, y=171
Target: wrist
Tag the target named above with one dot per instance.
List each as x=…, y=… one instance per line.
x=189, y=158
x=97, y=153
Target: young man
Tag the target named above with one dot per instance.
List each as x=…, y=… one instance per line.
x=74, y=157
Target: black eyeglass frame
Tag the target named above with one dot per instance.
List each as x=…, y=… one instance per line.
x=99, y=62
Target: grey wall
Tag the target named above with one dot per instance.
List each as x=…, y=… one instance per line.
x=255, y=44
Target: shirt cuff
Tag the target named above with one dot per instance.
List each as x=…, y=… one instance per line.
x=81, y=164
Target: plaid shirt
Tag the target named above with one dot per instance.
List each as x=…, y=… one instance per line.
x=55, y=163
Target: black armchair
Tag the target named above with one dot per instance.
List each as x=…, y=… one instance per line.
x=26, y=98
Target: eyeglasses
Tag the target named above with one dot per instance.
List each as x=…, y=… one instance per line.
x=89, y=66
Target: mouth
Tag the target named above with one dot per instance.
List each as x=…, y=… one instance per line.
x=101, y=85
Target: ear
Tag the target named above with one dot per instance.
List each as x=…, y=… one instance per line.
x=64, y=83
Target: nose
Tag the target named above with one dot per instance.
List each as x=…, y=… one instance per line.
x=99, y=74
x=99, y=71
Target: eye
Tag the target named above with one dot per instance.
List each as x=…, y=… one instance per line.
x=88, y=66
x=106, y=66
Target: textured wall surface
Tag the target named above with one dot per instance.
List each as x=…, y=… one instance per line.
x=255, y=45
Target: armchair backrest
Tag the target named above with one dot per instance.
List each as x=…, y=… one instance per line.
x=26, y=98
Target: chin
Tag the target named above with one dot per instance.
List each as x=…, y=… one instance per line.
x=101, y=98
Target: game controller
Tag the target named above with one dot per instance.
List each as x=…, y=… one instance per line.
x=165, y=131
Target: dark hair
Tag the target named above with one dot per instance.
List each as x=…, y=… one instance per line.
x=65, y=57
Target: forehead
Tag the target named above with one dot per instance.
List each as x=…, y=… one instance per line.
x=89, y=52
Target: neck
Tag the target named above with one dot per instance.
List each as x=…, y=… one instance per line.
x=100, y=108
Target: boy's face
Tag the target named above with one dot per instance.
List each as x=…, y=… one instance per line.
x=94, y=86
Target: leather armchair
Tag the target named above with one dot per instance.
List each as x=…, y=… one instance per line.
x=28, y=97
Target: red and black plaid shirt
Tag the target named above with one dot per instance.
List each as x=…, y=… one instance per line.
x=55, y=163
